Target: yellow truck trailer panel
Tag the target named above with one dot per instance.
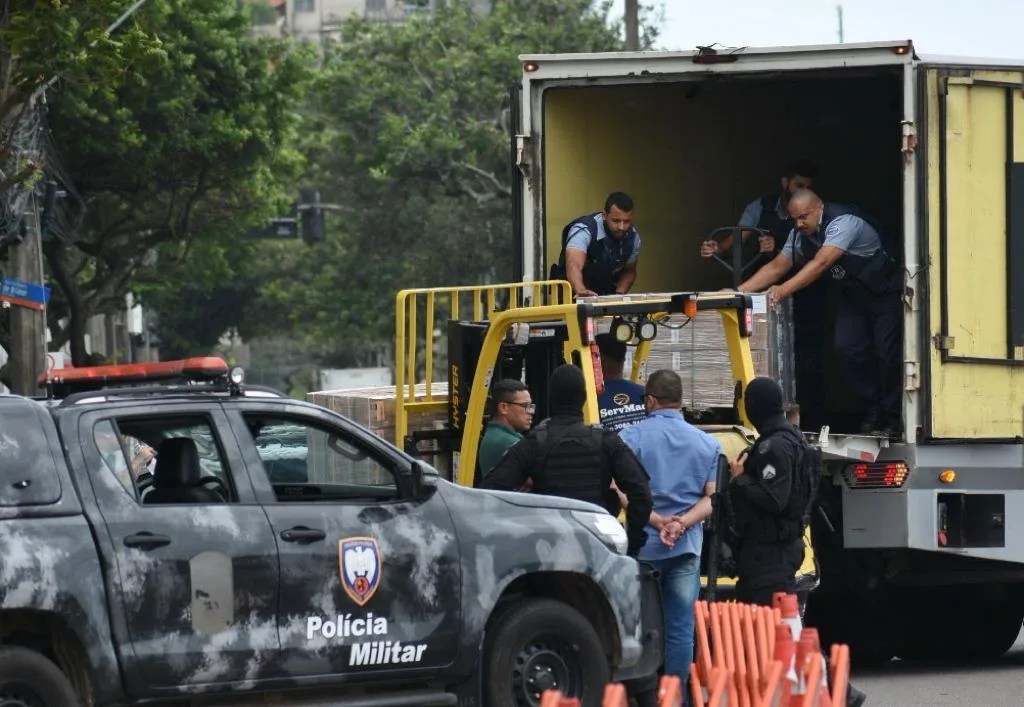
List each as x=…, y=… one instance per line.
x=975, y=136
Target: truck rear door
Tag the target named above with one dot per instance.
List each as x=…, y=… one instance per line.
x=974, y=144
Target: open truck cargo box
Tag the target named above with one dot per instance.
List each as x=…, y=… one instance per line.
x=933, y=151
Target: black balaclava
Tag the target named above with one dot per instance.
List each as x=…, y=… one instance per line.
x=568, y=391
x=763, y=400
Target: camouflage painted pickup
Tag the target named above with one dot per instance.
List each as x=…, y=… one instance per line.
x=275, y=550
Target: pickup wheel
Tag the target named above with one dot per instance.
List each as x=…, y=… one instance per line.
x=542, y=644
x=30, y=679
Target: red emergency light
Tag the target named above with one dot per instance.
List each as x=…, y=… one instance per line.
x=198, y=368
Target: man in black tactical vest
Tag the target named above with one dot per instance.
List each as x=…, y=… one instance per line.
x=769, y=494
x=600, y=250
x=770, y=498
x=565, y=457
x=829, y=238
x=769, y=213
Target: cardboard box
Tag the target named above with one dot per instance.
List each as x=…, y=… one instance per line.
x=374, y=409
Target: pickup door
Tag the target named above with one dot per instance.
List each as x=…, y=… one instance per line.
x=370, y=575
x=197, y=577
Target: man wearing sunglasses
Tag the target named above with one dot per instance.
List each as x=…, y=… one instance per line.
x=513, y=415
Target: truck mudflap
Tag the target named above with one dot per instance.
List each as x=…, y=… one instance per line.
x=652, y=628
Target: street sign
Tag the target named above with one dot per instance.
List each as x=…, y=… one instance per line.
x=24, y=294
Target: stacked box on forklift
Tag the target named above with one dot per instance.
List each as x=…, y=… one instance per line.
x=374, y=408
x=696, y=350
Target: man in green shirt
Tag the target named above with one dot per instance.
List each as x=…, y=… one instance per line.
x=513, y=415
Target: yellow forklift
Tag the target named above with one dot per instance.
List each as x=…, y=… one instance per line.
x=524, y=331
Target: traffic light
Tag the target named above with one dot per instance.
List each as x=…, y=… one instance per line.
x=49, y=207
x=311, y=216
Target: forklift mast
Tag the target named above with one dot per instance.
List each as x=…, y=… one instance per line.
x=531, y=360
x=524, y=331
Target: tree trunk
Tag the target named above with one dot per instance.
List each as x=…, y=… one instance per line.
x=77, y=315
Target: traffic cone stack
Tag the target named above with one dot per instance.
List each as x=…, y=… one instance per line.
x=748, y=656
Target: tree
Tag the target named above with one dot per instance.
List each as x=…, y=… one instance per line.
x=173, y=163
x=408, y=133
x=41, y=43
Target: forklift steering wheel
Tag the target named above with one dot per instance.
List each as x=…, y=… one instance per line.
x=740, y=270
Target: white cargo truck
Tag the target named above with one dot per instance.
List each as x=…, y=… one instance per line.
x=922, y=555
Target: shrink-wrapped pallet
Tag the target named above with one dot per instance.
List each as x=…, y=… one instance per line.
x=696, y=349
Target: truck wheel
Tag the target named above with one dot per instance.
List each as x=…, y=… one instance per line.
x=30, y=679
x=961, y=624
x=853, y=620
x=542, y=644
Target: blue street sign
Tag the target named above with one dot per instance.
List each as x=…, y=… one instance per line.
x=26, y=294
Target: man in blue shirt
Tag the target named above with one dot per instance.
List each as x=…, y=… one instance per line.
x=682, y=463
x=622, y=402
x=827, y=239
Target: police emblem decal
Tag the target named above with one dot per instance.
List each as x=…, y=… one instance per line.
x=359, y=566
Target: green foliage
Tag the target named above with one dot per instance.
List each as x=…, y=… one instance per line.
x=44, y=39
x=408, y=131
x=192, y=146
x=261, y=13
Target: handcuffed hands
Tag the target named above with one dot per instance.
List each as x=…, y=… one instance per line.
x=671, y=531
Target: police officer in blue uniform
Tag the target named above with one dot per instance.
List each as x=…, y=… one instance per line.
x=600, y=250
x=769, y=213
x=833, y=244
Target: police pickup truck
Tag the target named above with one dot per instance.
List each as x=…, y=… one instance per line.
x=170, y=534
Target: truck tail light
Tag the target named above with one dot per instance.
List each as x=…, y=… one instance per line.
x=878, y=475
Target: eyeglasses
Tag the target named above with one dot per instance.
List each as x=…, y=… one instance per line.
x=529, y=407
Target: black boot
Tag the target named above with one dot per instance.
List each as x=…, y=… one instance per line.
x=854, y=697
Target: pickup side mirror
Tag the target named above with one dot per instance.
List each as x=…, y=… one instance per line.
x=417, y=488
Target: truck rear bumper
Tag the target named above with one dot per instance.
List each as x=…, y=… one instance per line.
x=986, y=523
x=652, y=628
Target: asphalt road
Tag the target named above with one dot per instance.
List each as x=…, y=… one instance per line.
x=1000, y=684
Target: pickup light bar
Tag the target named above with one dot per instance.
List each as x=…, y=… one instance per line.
x=197, y=368
x=877, y=475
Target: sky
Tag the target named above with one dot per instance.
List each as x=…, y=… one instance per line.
x=976, y=28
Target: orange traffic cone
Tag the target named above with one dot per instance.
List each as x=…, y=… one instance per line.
x=615, y=696
x=554, y=698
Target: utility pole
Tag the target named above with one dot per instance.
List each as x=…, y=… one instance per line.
x=632, y=25
x=28, y=326
x=839, y=12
